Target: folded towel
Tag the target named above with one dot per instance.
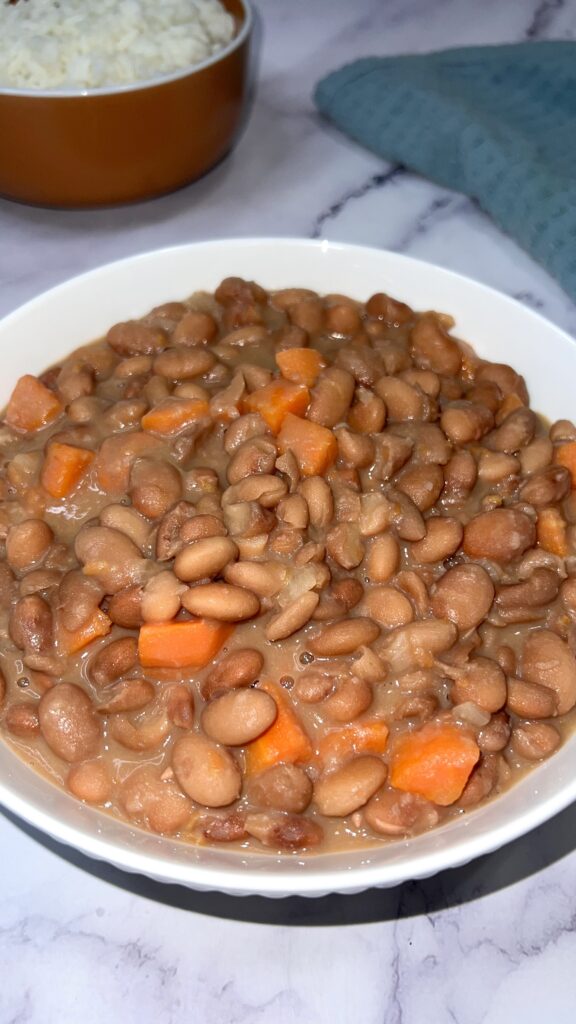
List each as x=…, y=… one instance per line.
x=497, y=123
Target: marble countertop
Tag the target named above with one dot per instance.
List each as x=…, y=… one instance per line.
x=490, y=943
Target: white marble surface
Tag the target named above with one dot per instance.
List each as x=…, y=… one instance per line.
x=490, y=943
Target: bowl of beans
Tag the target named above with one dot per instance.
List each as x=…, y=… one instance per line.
x=114, y=103
x=288, y=567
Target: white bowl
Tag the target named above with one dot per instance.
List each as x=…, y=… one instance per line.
x=500, y=329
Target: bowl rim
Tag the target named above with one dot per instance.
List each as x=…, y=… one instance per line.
x=308, y=875
x=146, y=83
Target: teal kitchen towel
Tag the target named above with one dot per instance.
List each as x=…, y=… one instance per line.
x=497, y=123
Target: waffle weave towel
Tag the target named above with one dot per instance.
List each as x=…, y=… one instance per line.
x=497, y=123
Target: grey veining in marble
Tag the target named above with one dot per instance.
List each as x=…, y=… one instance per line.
x=490, y=943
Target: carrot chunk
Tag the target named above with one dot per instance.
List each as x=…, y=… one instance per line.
x=314, y=447
x=300, y=365
x=72, y=641
x=434, y=762
x=276, y=400
x=64, y=467
x=565, y=455
x=367, y=737
x=284, y=741
x=174, y=414
x=190, y=644
x=32, y=405
x=551, y=532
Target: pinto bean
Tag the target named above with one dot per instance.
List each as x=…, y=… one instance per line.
x=350, y=698
x=284, y=787
x=239, y=667
x=114, y=660
x=344, y=544
x=460, y=475
x=331, y=397
x=154, y=487
x=69, y=722
x=292, y=618
x=463, y=595
x=284, y=831
x=133, y=338
x=148, y=734
x=356, y=450
x=368, y=414
x=262, y=578
x=422, y=484
x=318, y=497
x=514, y=433
x=494, y=736
x=207, y=772
x=21, y=720
x=548, y=661
x=161, y=597
x=480, y=681
x=536, y=455
x=154, y=802
x=184, y=363
x=256, y=455
x=500, y=535
x=116, y=457
x=384, y=307
x=168, y=537
x=124, y=608
x=239, y=716
x=443, y=537
x=541, y=588
x=205, y=558
x=392, y=813
x=110, y=557
x=78, y=598
x=343, y=637
x=406, y=517
x=221, y=601
x=433, y=348
x=382, y=558
x=345, y=790
x=402, y=401
x=464, y=421
x=534, y=740
x=531, y=700
x=546, y=486
x=127, y=520
x=31, y=625
x=27, y=543
x=127, y=695
x=388, y=607
x=90, y=781
x=265, y=488
x=417, y=644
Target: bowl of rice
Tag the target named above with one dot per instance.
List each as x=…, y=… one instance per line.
x=120, y=101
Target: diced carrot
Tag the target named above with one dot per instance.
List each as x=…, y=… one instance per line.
x=64, y=466
x=509, y=404
x=174, y=414
x=285, y=740
x=300, y=365
x=434, y=762
x=275, y=400
x=189, y=644
x=551, y=532
x=565, y=455
x=367, y=737
x=313, y=446
x=32, y=405
x=72, y=641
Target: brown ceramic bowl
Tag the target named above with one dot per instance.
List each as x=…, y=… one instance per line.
x=97, y=147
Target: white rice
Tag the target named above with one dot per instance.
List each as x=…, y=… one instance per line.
x=81, y=44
